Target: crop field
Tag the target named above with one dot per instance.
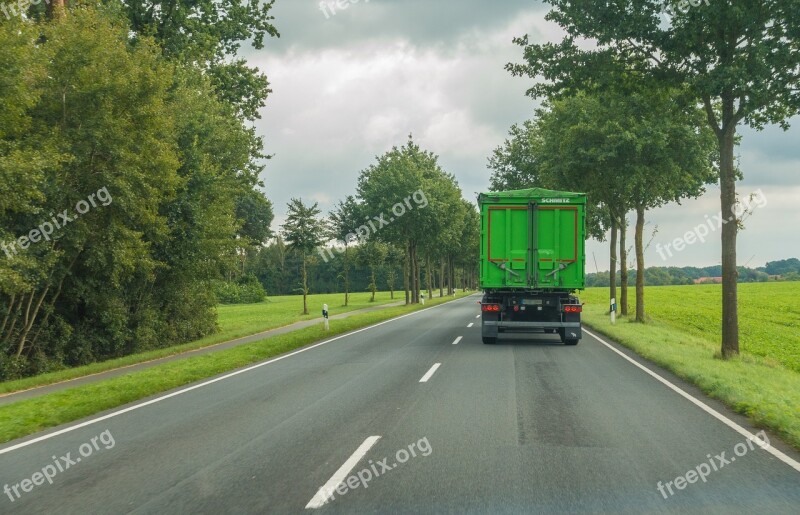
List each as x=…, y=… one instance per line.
x=769, y=315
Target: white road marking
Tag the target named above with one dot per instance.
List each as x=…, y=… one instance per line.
x=703, y=406
x=477, y=316
x=457, y=340
x=206, y=383
x=429, y=373
x=325, y=491
x=470, y=324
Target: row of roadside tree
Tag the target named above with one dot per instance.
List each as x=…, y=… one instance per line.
x=406, y=227
x=129, y=167
x=642, y=106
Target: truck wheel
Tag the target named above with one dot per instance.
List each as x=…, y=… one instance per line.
x=571, y=342
x=489, y=341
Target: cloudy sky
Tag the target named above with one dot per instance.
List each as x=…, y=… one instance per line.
x=349, y=85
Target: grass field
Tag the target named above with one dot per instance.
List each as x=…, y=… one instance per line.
x=235, y=321
x=244, y=319
x=683, y=335
x=769, y=315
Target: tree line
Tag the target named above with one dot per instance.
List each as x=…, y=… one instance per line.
x=133, y=123
x=406, y=228
x=641, y=108
x=783, y=270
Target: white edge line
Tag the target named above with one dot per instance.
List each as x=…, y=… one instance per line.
x=470, y=324
x=705, y=407
x=457, y=340
x=325, y=491
x=430, y=373
x=206, y=383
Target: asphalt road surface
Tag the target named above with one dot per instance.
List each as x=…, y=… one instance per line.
x=430, y=419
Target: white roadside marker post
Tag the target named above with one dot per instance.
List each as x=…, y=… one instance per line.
x=613, y=311
x=325, y=315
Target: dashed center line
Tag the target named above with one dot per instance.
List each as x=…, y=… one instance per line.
x=470, y=324
x=457, y=340
x=325, y=491
x=477, y=316
x=429, y=373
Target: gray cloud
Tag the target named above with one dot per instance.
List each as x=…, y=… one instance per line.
x=349, y=87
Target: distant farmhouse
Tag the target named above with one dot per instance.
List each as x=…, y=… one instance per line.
x=708, y=280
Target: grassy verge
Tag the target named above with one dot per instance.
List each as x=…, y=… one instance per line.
x=234, y=322
x=769, y=319
x=30, y=416
x=763, y=390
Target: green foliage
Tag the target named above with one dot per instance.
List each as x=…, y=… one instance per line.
x=784, y=266
x=207, y=34
x=663, y=276
x=432, y=224
x=246, y=290
x=304, y=232
x=177, y=168
x=738, y=61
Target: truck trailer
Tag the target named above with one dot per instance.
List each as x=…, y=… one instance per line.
x=532, y=262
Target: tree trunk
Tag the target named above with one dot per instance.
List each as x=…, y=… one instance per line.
x=346, y=277
x=8, y=314
x=730, y=316
x=305, y=287
x=372, y=285
x=56, y=8
x=639, y=263
x=612, y=273
x=415, y=264
x=429, y=276
x=441, y=277
x=414, y=275
x=451, y=269
x=406, y=272
x=623, y=266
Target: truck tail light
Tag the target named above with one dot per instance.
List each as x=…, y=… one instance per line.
x=490, y=307
x=573, y=308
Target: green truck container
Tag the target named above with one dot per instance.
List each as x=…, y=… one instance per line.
x=532, y=262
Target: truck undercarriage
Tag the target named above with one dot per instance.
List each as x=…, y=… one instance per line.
x=531, y=311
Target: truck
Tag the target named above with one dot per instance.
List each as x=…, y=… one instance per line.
x=532, y=262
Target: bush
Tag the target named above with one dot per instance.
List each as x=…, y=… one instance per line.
x=247, y=290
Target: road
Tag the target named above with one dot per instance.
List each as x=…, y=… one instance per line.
x=528, y=425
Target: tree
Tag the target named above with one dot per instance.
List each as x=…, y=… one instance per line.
x=303, y=231
x=372, y=254
x=342, y=225
x=254, y=211
x=740, y=61
x=208, y=34
x=394, y=259
x=627, y=150
x=415, y=197
x=517, y=165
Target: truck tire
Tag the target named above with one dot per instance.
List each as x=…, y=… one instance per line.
x=489, y=341
x=571, y=342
